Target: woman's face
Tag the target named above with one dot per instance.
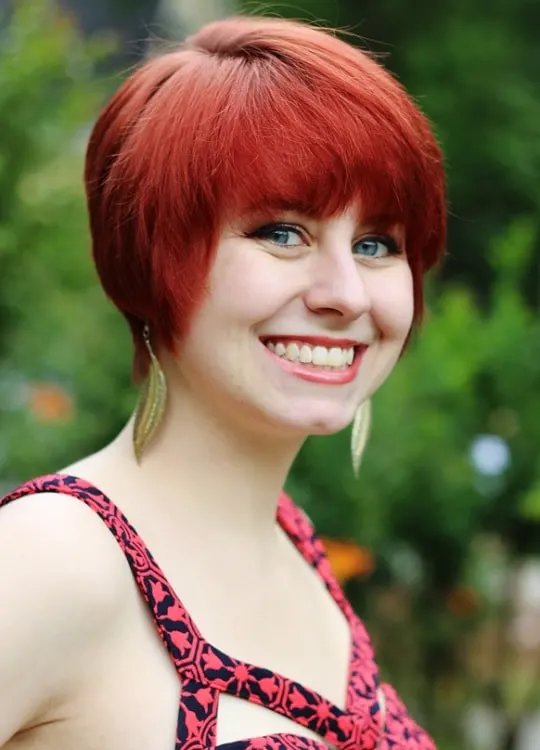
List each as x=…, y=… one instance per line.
x=304, y=319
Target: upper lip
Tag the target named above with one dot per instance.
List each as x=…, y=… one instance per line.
x=326, y=341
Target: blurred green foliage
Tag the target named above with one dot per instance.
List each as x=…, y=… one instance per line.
x=445, y=537
x=53, y=315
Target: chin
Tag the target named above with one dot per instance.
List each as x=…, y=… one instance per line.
x=318, y=422
x=324, y=427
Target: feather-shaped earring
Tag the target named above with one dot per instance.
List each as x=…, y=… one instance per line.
x=151, y=405
x=360, y=434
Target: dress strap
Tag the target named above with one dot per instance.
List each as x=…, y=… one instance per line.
x=364, y=682
x=175, y=627
x=301, y=531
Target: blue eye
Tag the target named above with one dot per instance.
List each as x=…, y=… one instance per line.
x=282, y=235
x=376, y=246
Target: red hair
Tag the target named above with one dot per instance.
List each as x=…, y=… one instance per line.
x=249, y=113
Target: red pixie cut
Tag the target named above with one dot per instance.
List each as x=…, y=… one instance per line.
x=249, y=114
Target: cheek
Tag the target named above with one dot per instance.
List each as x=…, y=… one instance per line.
x=249, y=287
x=393, y=304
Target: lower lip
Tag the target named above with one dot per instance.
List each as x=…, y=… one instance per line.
x=314, y=374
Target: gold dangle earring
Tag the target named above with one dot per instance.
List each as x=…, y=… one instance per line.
x=151, y=404
x=360, y=434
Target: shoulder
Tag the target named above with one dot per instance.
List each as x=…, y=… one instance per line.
x=57, y=538
x=63, y=584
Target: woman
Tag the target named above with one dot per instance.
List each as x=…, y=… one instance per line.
x=263, y=203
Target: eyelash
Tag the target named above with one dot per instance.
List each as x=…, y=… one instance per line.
x=384, y=239
x=263, y=232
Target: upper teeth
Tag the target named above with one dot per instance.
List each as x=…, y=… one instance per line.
x=323, y=356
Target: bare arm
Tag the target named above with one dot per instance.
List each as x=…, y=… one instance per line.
x=61, y=582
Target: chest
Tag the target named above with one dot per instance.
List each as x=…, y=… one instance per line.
x=129, y=696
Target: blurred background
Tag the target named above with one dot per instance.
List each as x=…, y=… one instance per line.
x=438, y=541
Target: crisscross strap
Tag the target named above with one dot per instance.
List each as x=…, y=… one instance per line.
x=205, y=671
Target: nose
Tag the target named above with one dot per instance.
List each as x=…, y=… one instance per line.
x=338, y=287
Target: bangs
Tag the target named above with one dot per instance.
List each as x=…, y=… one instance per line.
x=318, y=164
x=317, y=155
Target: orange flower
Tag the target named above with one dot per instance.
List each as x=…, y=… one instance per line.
x=348, y=560
x=462, y=601
x=48, y=402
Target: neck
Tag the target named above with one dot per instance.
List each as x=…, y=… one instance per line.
x=211, y=475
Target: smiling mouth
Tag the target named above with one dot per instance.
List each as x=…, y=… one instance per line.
x=315, y=356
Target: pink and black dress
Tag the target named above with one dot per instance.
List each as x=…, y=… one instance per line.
x=374, y=716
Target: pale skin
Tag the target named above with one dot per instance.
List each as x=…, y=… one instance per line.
x=81, y=665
